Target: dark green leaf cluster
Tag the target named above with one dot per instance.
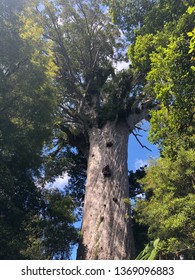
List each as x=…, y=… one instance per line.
x=136, y=192
x=27, y=103
x=115, y=97
x=51, y=233
x=146, y=16
x=66, y=160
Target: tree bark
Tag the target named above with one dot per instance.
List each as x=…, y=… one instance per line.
x=106, y=232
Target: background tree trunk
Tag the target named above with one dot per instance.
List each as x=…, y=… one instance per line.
x=106, y=227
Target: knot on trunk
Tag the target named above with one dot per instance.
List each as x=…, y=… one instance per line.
x=109, y=144
x=106, y=171
x=115, y=199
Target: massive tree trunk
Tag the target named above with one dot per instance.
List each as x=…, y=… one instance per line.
x=106, y=228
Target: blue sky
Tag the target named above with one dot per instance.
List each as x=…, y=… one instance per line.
x=138, y=156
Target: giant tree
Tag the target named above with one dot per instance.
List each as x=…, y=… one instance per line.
x=98, y=108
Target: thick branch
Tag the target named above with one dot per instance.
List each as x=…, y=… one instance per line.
x=140, y=111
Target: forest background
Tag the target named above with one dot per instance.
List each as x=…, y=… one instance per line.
x=157, y=41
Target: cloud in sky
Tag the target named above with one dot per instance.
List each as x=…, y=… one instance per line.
x=140, y=163
x=122, y=65
x=60, y=182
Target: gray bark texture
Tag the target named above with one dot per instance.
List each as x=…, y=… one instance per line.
x=106, y=232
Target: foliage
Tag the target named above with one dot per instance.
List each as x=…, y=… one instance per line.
x=19, y=201
x=145, y=16
x=18, y=194
x=162, y=53
x=191, y=34
x=164, y=57
x=27, y=104
x=51, y=233
x=150, y=252
x=26, y=98
x=169, y=212
x=135, y=186
x=136, y=192
x=129, y=15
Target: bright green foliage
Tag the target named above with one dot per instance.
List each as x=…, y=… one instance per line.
x=172, y=80
x=170, y=211
x=151, y=251
x=191, y=34
x=171, y=132
x=164, y=58
x=192, y=40
x=162, y=53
